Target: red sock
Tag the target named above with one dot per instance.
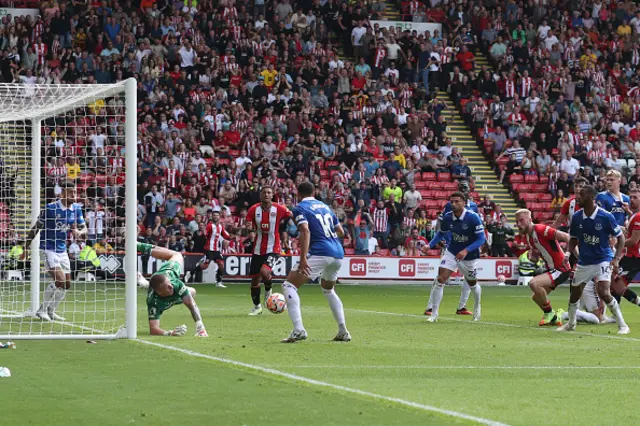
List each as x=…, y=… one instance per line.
x=546, y=308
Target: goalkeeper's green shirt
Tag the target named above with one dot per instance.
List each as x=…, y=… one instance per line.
x=156, y=305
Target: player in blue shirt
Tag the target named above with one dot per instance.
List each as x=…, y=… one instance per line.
x=56, y=221
x=591, y=230
x=462, y=253
x=465, y=291
x=321, y=255
x=612, y=200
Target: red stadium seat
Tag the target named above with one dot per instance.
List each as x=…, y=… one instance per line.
x=546, y=197
x=429, y=176
x=349, y=251
x=101, y=180
x=425, y=193
x=324, y=174
x=234, y=153
x=225, y=161
x=444, y=177
x=430, y=204
x=331, y=164
x=233, y=208
x=516, y=178
x=421, y=185
x=531, y=178
x=450, y=186
x=475, y=195
x=442, y=203
x=86, y=179
x=544, y=180
x=528, y=196
x=435, y=253
x=542, y=216
x=518, y=187
x=441, y=195
x=539, y=187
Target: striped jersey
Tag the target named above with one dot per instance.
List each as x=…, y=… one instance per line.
x=266, y=224
x=215, y=234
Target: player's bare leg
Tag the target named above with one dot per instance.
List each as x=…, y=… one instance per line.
x=338, y=310
x=54, y=293
x=604, y=291
x=619, y=289
x=255, y=296
x=267, y=279
x=437, y=290
x=541, y=286
x=290, y=287
x=202, y=264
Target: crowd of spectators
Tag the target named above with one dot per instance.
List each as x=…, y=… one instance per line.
x=233, y=96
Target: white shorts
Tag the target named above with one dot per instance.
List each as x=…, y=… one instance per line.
x=53, y=260
x=325, y=267
x=590, y=301
x=598, y=272
x=466, y=267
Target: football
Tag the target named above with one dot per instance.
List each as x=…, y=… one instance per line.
x=276, y=303
x=501, y=279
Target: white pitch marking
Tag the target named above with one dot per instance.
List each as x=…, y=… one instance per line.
x=500, y=324
x=320, y=383
x=466, y=367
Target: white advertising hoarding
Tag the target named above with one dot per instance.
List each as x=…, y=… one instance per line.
x=375, y=268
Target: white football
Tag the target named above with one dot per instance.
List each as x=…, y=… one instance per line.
x=501, y=278
x=276, y=303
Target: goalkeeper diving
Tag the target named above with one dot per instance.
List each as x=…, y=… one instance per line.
x=166, y=289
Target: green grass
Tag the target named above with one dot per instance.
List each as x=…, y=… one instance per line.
x=490, y=369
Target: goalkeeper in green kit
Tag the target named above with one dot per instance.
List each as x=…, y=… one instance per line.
x=167, y=289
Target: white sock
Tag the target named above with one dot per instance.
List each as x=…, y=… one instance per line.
x=573, y=309
x=615, y=310
x=49, y=292
x=430, y=303
x=58, y=297
x=477, y=294
x=436, y=293
x=587, y=317
x=336, y=307
x=464, y=294
x=293, y=305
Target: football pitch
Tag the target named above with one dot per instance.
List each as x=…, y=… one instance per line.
x=398, y=370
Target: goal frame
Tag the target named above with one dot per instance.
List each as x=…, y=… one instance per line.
x=129, y=89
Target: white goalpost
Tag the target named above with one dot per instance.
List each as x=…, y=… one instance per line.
x=84, y=136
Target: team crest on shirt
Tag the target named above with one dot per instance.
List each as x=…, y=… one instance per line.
x=273, y=214
x=598, y=227
x=465, y=226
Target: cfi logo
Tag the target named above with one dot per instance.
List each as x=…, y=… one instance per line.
x=358, y=267
x=407, y=268
x=504, y=267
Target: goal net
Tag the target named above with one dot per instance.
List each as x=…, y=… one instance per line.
x=67, y=157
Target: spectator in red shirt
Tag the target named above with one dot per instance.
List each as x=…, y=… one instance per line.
x=466, y=59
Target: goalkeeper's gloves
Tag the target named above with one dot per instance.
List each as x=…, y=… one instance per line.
x=200, y=330
x=180, y=330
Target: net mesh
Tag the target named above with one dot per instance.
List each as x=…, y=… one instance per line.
x=82, y=140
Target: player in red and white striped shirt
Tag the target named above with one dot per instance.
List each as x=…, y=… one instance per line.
x=267, y=219
x=212, y=250
x=546, y=240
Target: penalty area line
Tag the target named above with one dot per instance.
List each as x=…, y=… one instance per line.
x=326, y=385
x=498, y=324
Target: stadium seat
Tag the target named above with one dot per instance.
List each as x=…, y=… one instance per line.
x=527, y=196
x=425, y=193
x=546, y=197
x=234, y=153
x=349, y=251
x=434, y=253
x=542, y=216
x=516, y=178
x=331, y=164
x=225, y=161
x=324, y=174
x=441, y=195
x=450, y=186
x=444, y=177
x=531, y=179
x=421, y=185
x=544, y=180
x=101, y=180
x=539, y=188
x=428, y=176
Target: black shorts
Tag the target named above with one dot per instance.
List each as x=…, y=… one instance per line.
x=558, y=277
x=214, y=256
x=258, y=261
x=629, y=268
